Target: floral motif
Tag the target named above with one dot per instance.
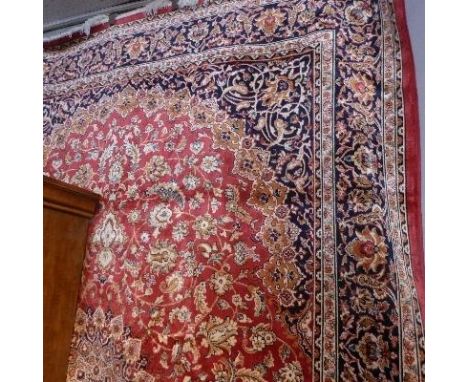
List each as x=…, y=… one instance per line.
x=362, y=87
x=198, y=31
x=228, y=135
x=290, y=373
x=362, y=200
x=205, y=226
x=180, y=231
x=173, y=283
x=250, y=163
x=374, y=351
x=269, y=21
x=162, y=257
x=266, y=196
x=358, y=13
x=221, y=282
x=136, y=47
x=115, y=172
x=219, y=335
x=278, y=235
x=109, y=235
x=369, y=249
x=160, y=216
x=365, y=160
x=281, y=277
x=100, y=336
x=278, y=90
x=157, y=168
x=262, y=337
x=227, y=372
x=83, y=176
x=210, y=164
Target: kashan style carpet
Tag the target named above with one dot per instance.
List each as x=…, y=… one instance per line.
x=259, y=167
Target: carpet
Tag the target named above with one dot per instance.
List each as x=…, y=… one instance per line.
x=259, y=167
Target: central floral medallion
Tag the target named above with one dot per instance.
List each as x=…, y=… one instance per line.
x=204, y=233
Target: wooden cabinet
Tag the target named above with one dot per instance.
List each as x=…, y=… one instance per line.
x=67, y=212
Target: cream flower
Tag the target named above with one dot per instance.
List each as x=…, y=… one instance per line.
x=205, y=226
x=291, y=373
x=221, y=282
x=210, y=164
x=160, y=217
x=261, y=337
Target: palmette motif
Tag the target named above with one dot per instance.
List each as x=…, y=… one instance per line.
x=253, y=227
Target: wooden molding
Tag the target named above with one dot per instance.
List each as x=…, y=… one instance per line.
x=69, y=198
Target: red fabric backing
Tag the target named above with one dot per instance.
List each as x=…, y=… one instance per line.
x=413, y=154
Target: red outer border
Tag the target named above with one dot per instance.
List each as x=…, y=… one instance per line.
x=413, y=154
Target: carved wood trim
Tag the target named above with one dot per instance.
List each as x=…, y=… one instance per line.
x=69, y=198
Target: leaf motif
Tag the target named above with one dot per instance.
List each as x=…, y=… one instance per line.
x=249, y=375
x=200, y=298
x=242, y=105
x=181, y=145
x=175, y=351
x=242, y=89
x=132, y=151
x=239, y=361
x=108, y=151
x=259, y=303
x=269, y=361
